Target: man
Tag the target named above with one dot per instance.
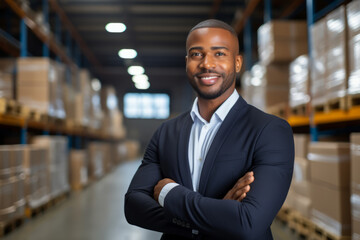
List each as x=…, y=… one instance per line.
x=193, y=182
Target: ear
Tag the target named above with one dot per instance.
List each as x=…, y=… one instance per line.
x=238, y=63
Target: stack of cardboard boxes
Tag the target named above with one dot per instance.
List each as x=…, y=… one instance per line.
x=355, y=185
x=12, y=196
x=56, y=162
x=7, y=69
x=38, y=85
x=330, y=186
x=36, y=176
x=78, y=169
x=353, y=19
x=336, y=54
x=330, y=58
x=301, y=176
x=112, y=124
x=279, y=43
x=82, y=98
x=299, y=81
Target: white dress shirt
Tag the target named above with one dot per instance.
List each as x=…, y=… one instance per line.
x=201, y=136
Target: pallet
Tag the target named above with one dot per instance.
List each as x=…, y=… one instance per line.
x=283, y=215
x=34, y=212
x=8, y=227
x=321, y=234
x=336, y=104
x=9, y=106
x=301, y=110
x=353, y=100
x=303, y=226
x=58, y=199
x=280, y=110
x=331, y=105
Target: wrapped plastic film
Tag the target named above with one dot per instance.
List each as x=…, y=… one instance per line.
x=353, y=19
x=299, y=81
x=328, y=223
x=336, y=56
x=318, y=64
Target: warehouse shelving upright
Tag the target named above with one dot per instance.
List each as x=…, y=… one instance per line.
x=317, y=124
x=70, y=55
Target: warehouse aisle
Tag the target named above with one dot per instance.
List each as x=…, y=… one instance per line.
x=93, y=214
x=97, y=213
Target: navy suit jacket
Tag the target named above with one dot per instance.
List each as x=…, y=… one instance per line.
x=248, y=139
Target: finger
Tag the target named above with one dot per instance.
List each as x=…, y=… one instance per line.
x=242, y=196
x=237, y=194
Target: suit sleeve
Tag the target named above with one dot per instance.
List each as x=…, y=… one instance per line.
x=140, y=207
x=228, y=219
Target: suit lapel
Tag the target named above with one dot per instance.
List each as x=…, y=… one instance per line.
x=183, y=152
x=221, y=135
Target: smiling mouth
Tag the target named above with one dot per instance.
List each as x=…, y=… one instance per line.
x=208, y=80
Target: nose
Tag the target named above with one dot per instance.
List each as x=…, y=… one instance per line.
x=208, y=62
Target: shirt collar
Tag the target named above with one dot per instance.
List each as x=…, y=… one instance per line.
x=221, y=112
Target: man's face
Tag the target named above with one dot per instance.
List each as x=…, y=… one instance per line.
x=212, y=62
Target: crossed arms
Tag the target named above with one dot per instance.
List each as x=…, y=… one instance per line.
x=242, y=213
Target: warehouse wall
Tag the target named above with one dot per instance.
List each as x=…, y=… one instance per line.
x=181, y=98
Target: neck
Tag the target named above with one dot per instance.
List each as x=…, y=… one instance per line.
x=207, y=107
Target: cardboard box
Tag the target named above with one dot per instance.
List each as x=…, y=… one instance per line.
x=290, y=200
x=331, y=208
x=5, y=163
x=38, y=85
x=355, y=160
x=7, y=70
x=330, y=163
x=282, y=41
x=301, y=170
x=303, y=205
x=57, y=162
x=96, y=160
x=302, y=188
x=355, y=212
x=78, y=169
x=301, y=144
x=37, y=190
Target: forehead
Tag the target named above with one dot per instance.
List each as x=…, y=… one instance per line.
x=211, y=36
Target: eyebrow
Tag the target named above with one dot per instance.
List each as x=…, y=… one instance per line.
x=212, y=48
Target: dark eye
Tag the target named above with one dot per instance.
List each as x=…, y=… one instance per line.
x=195, y=54
x=219, y=54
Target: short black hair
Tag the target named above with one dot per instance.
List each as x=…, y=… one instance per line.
x=214, y=23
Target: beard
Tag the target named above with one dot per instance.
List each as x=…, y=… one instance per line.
x=226, y=84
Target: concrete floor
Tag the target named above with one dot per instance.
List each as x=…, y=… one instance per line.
x=97, y=214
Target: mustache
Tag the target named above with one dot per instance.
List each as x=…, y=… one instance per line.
x=206, y=71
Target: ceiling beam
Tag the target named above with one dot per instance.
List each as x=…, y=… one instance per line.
x=291, y=8
x=215, y=8
x=75, y=34
x=39, y=31
x=239, y=25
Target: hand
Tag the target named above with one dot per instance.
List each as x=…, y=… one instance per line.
x=159, y=186
x=241, y=187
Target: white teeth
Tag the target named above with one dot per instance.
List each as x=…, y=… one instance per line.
x=207, y=78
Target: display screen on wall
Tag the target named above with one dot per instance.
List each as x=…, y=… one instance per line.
x=147, y=105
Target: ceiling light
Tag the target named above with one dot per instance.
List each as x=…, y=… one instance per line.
x=142, y=85
x=95, y=84
x=135, y=70
x=127, y=53
x=140, y=78
x=115, y=27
